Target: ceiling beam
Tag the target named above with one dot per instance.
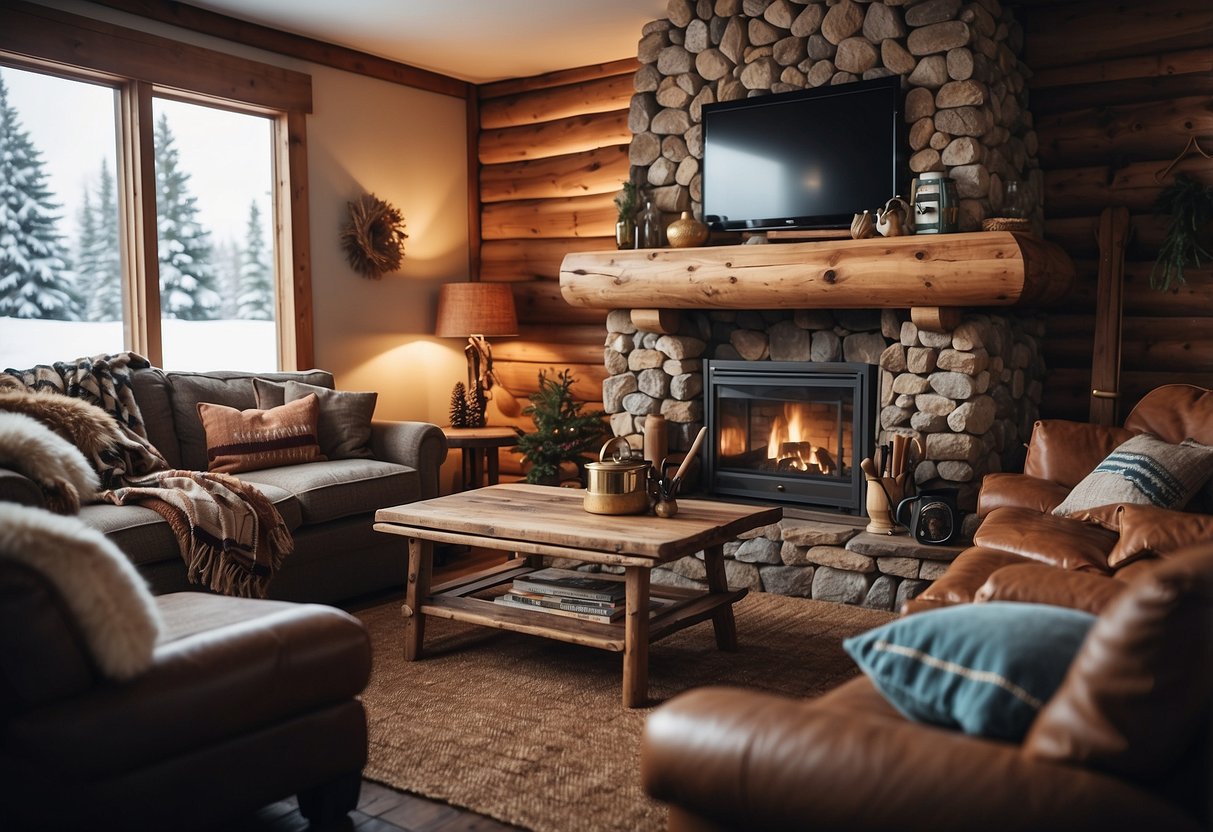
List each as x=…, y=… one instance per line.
x=296, y=46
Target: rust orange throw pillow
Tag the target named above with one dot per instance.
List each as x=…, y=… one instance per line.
x=248, y=440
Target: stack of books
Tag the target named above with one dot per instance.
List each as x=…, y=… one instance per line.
x=569, y=593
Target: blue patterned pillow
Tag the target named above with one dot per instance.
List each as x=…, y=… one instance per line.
x=1143, y=470
x=986, y=669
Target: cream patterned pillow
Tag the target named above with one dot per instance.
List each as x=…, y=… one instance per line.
x=249, y=440
x=1143, y=470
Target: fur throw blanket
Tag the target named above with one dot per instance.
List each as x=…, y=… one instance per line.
x=54, y=464
x=225, y=546
x=231, y=537
x=117, y=617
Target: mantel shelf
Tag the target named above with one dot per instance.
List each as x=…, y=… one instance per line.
x=986, y=268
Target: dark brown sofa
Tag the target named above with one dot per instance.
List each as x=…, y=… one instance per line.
x=1129, y=739
x=246, y=702
x=1127, y=744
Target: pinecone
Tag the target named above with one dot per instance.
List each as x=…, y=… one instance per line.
x=475, y=406
x=459, y=406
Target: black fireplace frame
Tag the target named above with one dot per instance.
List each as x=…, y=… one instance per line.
x=862, y=381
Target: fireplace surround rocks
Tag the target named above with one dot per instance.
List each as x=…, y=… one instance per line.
x=970, y=395
x=966, y=94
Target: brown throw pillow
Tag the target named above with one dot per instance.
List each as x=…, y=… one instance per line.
x=345, y=417
x=248, y=440
x=1038, y=583
x=1140, y=687
x=1144, y=470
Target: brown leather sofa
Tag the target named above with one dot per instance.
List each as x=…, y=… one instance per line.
x=245, y=703
x=1123, y=744
x=1022, y=552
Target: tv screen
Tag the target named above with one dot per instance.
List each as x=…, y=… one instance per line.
x=805, y=159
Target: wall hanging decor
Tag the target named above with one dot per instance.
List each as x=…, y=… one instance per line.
x=374, y=237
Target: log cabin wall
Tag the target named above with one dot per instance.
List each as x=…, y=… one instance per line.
x=553, y=152
x=1116, y=92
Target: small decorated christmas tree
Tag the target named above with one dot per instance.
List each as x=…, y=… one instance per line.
x=562, y=432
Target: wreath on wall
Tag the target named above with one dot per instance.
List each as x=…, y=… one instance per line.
x=374, y=237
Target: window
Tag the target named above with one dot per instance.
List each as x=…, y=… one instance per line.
x=152, y=214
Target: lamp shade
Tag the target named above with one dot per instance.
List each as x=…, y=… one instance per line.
x=476, y=309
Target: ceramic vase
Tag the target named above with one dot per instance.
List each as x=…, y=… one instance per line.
x=686, y=232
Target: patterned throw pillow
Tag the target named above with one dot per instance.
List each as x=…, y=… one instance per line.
x=1143, y=470
x=986, y=669
x=248, y=440
x=345, y=417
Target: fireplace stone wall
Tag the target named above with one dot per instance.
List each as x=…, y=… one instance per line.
x=966, y=91
x=969, y=395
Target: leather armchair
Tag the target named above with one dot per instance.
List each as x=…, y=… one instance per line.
x=245, y=703
x=1090, y=557
x=1124, y=743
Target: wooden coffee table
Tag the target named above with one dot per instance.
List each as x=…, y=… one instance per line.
x=534, y=521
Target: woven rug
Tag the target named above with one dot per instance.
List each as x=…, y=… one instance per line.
x=532, y=732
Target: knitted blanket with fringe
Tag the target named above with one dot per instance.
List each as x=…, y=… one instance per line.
x=231, y=537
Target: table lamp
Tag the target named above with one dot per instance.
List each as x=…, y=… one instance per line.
x=477, y=311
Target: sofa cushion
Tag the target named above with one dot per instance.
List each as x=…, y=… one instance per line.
x=986, y=669
x=233, y=389
x=963, y=578
x=1064, y=452
x=345, y=417
x=1150, y=530
x=153, y=395
x=1036, y=583
x=1144, y=470
x=247, y=440
x=342, y=487
x=1141, y=688
x=1057, y=541
x=142, y=534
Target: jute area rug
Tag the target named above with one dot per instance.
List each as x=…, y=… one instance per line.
x=532, y=732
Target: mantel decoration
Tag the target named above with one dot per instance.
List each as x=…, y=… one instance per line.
x=625, y=227
x=374, y=237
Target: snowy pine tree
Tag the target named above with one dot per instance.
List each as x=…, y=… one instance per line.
x=35, y=281
x=227, y=257
x=256, y=272
x=187, y=278
x=98, y=261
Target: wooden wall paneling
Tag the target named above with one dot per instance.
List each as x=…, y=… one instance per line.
x=1141, y=299
x=576, y=75
x=524, y=377
x=473, y=185
x=540, y=302
x=597, y=171
x=554, y=138
x=1104, y=135
x=1084, y=191
x=533, y=259
x=575, y=216
x=1105, y=363
x=1086, y=32
x=551, y=350
x=597, y=95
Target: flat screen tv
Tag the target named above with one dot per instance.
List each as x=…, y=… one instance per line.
x=805, y=159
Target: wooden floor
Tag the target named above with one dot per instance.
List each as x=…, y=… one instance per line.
x=381, y=809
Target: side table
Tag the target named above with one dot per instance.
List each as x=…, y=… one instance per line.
x=478, y=446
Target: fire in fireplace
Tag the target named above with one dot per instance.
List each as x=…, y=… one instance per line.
x=790, y=432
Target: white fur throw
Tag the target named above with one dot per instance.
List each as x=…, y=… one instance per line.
x=101, y=588
x=56, y=465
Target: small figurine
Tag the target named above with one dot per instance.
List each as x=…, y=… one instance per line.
x=861, y=226
x=895, y=219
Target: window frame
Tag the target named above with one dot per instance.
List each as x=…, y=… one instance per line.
x=141, y=66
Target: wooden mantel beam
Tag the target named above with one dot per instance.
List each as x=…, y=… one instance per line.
x=987, y=268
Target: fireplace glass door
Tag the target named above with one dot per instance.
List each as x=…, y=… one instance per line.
x=790, y=431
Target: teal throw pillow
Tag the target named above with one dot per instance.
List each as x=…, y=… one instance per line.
x=986, y=669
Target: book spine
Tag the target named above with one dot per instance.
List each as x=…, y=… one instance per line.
x=564, y=592
x=601, y=612
x=546, y=603
x=581, y=616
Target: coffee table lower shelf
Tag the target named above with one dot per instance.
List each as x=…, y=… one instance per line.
x=452, y=601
